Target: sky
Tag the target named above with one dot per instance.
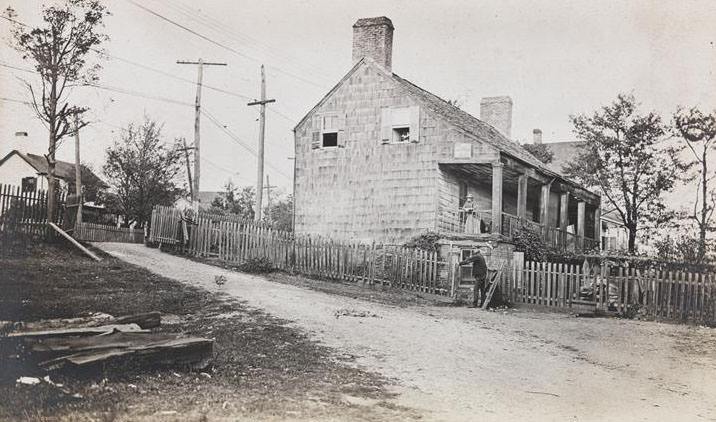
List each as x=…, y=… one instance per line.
x=554, y=58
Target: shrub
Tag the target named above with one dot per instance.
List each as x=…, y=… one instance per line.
x=260, y=265
x=427, y=241
x=531, y=244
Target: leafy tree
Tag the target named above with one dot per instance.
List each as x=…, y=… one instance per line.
x=698, y=131
x=280, y=216
x=235, y=200
x=143, y=170
x=623, y=156
x=541, y=151
x=63, y=51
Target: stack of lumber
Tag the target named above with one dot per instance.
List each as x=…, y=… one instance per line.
x=97, y=341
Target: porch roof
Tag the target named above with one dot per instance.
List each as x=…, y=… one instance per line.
x=482, y=169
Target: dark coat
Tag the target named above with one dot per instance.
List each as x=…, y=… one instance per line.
x=479, y=267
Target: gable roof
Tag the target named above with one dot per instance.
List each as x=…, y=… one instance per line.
x=63, y=169
x=461, y=119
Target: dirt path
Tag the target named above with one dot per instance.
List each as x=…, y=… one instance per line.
x=464, y=364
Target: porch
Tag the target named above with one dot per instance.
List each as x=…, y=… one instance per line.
x=507, y=197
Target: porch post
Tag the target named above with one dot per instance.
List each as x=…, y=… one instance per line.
x=497, y=197
x=544, y=206
x=522, y=197
x=581, y=206
x=598, y=226
x=564, y=211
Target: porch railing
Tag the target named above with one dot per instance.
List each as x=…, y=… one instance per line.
x=553, y=236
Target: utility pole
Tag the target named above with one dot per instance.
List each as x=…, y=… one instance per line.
x=197, y=112
x=268, y=188
x=262, y=129
x=78, y=175
x=188, y=169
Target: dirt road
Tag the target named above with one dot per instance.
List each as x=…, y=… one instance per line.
x=457, y=364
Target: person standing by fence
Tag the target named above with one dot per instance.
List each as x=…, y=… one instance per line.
x=479, y=273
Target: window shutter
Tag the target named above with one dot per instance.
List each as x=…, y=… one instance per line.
x=342, y=130
x=386, y=125
x=316, y=135
x=414, y=124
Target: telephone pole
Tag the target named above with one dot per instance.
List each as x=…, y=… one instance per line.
x=268, y=188
x=78, y=175
x=197, y=112
x=262, y=129
x=188, y=169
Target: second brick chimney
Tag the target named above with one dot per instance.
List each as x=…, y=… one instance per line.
x=497, y=111
x=373, y=37
x=537, y=136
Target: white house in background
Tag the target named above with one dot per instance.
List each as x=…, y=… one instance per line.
x=30, y=172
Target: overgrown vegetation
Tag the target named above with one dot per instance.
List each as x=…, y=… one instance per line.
x=427, y=241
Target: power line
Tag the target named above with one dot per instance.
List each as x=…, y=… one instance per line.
x=167, y=74
x=219, y=44
x=241, y=142
x=12, y=100
x=139, y=94
x=218, y=26
x=18, y=68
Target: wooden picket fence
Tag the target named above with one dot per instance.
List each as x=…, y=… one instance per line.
x=25, y=213
x=236, y=240
x=92, y=232
x=659, y=294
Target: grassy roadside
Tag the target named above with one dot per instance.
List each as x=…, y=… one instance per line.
x=262, y=370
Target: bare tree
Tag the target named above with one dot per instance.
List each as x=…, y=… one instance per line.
x=698, y=130
x=62, y=51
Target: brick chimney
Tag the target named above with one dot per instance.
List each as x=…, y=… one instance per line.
x=537, y=136
x=373, y=37
x=497, y=111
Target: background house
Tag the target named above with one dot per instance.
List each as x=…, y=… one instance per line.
x=30, y=172
x=381, y=159
x=614, y=236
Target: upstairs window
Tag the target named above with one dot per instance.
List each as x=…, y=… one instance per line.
x=328, y=130
x=329, y=133
x=400, y=125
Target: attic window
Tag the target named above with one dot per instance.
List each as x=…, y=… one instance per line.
x=400, y=125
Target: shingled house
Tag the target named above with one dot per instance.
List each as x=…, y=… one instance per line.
x=381, y=159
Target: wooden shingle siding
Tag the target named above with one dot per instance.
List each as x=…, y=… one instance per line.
x=374, y=189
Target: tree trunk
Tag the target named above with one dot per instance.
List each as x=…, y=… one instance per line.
x=704, y=211
x=632, y=239
x=51, y=182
